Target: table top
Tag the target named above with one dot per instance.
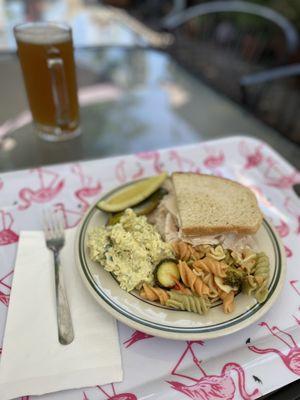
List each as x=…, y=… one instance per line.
x=92, y=24
x=132, y=100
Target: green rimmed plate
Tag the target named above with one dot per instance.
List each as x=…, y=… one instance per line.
x=173, y=324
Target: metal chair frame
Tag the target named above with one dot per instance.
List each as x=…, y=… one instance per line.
x=174, y=20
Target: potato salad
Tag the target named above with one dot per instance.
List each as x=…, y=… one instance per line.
x=130, y=249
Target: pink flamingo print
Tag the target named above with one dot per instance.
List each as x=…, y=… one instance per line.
x=182, y=163
x=5, y=288
x=87, y=189
x=293, y=210
x=46, y=190
x=211, y=387
x=152, y=156
x=253, y=157
x=282, y=228
x=297, y=320
x=85, y=396
x=70, y=217
x=288, y=251
x=275, y=178
x=124, y=176
x=7, y=235
x=4, y=298
x=121, y=396
x=293, y=284
x=25, y=398
x=120, y=171
x=136, y=337
x=214, y=160
x=292, y=358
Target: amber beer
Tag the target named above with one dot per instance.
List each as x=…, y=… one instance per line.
x=46, y=55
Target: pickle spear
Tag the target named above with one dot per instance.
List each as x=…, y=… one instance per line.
x=144, y=208
x=131, y=195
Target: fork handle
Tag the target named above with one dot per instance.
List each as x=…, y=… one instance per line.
x=64, y=320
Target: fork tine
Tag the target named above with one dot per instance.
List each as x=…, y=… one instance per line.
x=46, y=224
x=53, y=225
x=61, y=221
x=49, y=226
x=61, y=226
x=59, y=229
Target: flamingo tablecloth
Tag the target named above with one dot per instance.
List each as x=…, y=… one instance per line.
x=245, y=365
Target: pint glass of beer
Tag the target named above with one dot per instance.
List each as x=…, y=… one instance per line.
x=45, y=51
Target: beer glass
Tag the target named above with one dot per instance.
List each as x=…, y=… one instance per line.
x=45, y=51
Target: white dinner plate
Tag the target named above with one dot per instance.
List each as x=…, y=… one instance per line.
x=157, y=320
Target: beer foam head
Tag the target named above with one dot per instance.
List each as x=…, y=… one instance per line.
x=43, y=33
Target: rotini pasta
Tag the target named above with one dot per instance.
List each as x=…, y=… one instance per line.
x=180, y=288
x=262, y=292
x=246, y=259
x=154, y=293
x=252, y=288
x=204, y=249
x=249, y=285
x=184, y=302
x=191, y=280
x=228, y=301
x=210, y=265
x=228, y=258
x=208, y=279
x=186, y=252
x=217, y=253
x=261, y=276
x=261, y=268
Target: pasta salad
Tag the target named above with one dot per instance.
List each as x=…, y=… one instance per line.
x=208, y=274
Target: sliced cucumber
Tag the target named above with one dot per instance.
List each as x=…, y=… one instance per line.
x=167, y=273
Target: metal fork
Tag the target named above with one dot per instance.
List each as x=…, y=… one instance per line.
x=55, y=241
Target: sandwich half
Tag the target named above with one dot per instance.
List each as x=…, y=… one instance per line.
x=209, y=205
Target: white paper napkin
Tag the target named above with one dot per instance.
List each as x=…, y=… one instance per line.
x=33, y=362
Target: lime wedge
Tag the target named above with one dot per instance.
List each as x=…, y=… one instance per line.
x=132, y=194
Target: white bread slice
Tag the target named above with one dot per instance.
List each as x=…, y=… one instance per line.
x=210, y=205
